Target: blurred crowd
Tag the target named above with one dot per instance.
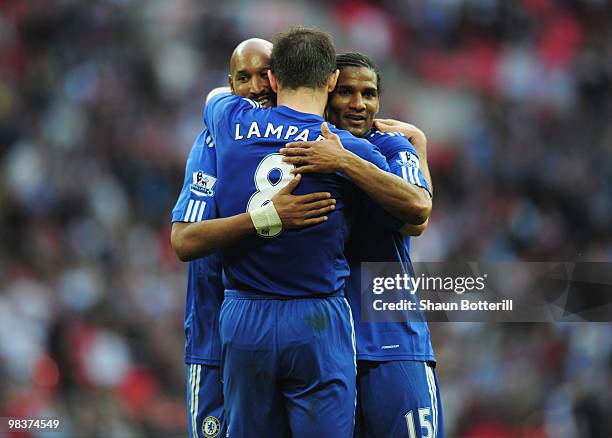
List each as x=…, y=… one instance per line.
x=99, y=104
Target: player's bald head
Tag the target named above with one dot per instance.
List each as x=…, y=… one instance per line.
x=249, y=67
x=249, y=49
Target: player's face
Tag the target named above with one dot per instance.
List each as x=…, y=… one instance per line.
x=249, y=77
x=354, y=102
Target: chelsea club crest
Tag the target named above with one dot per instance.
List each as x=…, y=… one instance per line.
x=211, y=427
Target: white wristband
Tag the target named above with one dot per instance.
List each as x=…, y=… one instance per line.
x=266, y=220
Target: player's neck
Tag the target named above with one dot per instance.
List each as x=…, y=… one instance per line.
x=304, y=100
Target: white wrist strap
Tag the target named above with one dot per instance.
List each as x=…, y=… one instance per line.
x=266, y=220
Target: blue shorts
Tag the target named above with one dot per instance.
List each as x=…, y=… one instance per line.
x=205, y=418
x=288, y=367
x=398, y=399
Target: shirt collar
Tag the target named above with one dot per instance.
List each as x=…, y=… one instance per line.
x=306, y=117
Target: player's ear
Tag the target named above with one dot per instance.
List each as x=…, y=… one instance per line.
x=333, y=79
x=273, y=81
x=230, y=82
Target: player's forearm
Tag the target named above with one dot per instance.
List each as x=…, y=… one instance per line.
x=192, y=240
x=406, y=202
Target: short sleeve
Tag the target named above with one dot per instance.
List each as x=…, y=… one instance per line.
x=401, y=156
x=222, y=107
x=196, y=201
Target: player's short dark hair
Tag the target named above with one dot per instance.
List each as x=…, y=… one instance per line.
x=303, y=57
x=355, y=59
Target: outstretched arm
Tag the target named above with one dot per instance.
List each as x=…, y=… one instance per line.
x=406, y=202
x=192, y=240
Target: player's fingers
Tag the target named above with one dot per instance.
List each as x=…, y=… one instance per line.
x=304, y=169
x=319, y=211
x=320, y=204
x=314, y=221
x=326, y=132
x=387, y=125
x=386, y=121
x=314, y=197
x=292, y=185
x=382, y=126
x=296, y=160
x=298, y=144
x=293, y=151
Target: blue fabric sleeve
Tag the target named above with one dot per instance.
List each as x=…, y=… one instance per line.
x=401, y=156
x=196, y=201
x=221, y=108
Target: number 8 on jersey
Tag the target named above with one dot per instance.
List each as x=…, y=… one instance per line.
x=266, y=186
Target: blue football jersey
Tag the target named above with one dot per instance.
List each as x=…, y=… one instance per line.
x=195, y=203
x=250, y=171
x=383, y=341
